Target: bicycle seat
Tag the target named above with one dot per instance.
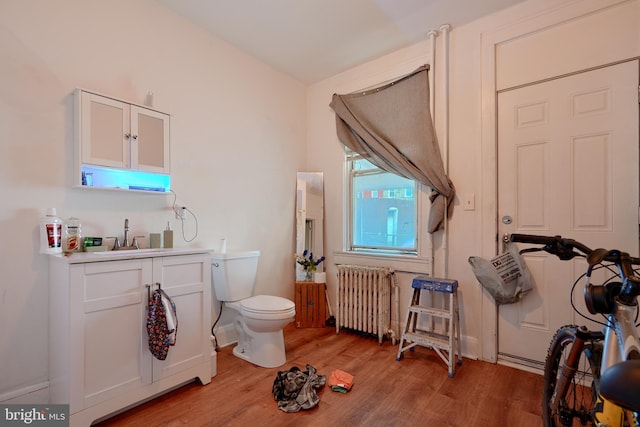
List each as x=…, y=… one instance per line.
x=621, y=384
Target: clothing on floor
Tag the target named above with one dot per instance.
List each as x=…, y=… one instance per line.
x=296, y=389
x=340, y=381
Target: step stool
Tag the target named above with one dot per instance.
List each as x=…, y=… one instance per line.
x=442, y=342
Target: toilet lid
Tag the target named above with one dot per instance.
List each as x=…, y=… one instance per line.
x=267, y=303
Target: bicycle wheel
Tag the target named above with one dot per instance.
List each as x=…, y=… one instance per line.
x=576, y=406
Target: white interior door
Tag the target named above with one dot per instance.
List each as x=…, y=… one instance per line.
x=567, y=165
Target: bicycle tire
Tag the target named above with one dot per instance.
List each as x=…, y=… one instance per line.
x=576, y=407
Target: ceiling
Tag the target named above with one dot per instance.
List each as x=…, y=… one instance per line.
x=315, y=39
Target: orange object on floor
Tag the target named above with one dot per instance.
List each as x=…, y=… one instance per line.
x=340, y=381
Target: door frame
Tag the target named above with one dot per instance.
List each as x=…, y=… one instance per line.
x=519, y=30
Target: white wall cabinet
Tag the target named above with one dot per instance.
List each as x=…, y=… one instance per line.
x=118, y=134
x=120, y=145
x=99, y=356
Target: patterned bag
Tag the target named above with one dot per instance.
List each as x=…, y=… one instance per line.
x=160, y=336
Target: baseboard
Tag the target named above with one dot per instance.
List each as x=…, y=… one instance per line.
x=33, y=394
x=470, y=348
x=226, y=335
x=521, y=366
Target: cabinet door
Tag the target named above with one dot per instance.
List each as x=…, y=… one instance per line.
x=105, y=125
x=187, y=280
x=113, y=337
x=149, y=140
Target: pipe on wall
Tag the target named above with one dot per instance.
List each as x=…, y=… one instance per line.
x=432, y=34
x=445, y=29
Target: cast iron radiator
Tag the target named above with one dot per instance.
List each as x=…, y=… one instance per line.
x=364, y=300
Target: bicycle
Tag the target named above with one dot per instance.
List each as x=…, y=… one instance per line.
x=592, y=377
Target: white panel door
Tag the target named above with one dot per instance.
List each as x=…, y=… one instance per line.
x=567, y=165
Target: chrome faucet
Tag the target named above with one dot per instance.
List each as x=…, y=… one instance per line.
x=125, y=243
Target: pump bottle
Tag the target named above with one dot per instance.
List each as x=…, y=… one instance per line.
x=168, y=236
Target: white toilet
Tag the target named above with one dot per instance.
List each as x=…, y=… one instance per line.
x=260, y=318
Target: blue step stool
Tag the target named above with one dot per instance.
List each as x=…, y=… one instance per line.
x=445, y=341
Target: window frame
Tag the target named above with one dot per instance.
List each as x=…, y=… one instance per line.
x=350, y=173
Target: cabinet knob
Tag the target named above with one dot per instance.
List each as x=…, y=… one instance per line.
x=127, y=135
x=135, y=137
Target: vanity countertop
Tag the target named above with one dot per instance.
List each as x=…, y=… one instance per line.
x=86, y=257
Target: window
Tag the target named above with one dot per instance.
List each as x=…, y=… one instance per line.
x=382, y=209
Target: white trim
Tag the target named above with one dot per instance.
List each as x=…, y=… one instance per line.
x=521, y=367
x=35, y=393
x=400, y=263
x=226, y=335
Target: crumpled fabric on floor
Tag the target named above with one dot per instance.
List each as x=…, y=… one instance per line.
x=340, y=381
x=296, y=389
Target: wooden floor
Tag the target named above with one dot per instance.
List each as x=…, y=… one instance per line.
x=413, y=391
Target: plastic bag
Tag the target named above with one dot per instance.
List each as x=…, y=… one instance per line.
x=506, y=277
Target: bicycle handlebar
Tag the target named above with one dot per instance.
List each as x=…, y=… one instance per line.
x=566, y=249
x=535, y=239
x=562, y=247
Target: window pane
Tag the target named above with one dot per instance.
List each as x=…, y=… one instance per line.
x=384, y=210
x=362, y=165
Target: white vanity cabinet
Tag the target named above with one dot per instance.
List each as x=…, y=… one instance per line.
x=98, y=344
x=117, y=134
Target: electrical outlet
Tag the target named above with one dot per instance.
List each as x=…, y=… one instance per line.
x=181, y=213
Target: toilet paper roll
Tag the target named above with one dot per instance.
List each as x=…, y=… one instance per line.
x=223, y=246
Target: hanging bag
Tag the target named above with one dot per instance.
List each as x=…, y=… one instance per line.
x=506, y=277
x=162, y=323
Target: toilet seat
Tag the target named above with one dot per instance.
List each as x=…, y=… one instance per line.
x=267, y=307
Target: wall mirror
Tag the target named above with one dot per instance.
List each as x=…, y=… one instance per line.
x=310, y=215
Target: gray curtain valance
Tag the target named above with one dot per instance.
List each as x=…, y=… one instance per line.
x=391, y=127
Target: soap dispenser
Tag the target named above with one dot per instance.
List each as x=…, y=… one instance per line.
x=168, y=236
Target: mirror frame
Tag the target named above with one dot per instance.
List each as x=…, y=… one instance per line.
x=310, y=215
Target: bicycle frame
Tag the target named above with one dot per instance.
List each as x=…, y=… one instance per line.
x=621, y=337
x=617, y=343
x=621, y=341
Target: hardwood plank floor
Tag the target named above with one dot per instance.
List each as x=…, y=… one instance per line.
x=413, y=391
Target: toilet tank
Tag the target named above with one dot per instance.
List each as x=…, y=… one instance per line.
x=234, y=274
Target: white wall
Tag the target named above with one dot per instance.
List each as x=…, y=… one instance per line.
x=471, y=156
x=237, y=129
